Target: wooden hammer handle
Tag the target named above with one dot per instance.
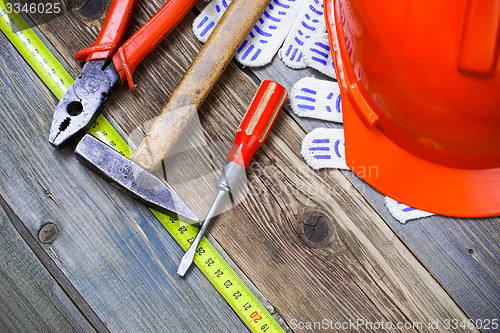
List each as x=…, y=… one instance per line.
x=228, y=35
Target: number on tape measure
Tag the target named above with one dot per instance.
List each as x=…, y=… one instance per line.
x=223, y=277
x=208, y=259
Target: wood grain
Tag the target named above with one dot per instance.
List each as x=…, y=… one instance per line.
x=314, y=247
x=30, y=299
x=316, y=244
x=351, y=266
x=112, y=249
x=463, y=254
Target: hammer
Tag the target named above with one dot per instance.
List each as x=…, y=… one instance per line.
x=134, y=175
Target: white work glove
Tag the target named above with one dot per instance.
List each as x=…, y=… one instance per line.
x=325, y=147
x=402, y=212
x=296, y=30
x=294, y=27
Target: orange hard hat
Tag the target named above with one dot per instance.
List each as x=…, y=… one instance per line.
x=420, y=88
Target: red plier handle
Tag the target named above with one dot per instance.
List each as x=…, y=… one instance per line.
x=143, y=41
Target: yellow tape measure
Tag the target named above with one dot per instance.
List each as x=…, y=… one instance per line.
x=207, y=258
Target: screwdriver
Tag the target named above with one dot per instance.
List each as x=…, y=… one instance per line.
x=250, y=135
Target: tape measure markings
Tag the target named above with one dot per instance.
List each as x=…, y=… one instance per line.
x=207, y=258
x=35, y=52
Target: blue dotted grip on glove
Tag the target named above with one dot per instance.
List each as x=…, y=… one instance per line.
x=310, y=22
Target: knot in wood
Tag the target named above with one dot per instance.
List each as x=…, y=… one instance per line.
x=90, y=9
x=315, y=228
x=48, y=233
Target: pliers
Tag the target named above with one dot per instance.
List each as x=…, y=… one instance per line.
x=108, y=63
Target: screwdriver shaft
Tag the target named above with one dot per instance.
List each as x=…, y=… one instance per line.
x=188, y=257
x=250, y=135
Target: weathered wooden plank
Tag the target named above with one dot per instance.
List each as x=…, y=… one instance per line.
x=345, y=265
x=315, y=248
x=441, y=243
x=309, y=241
x=111, y=248
x=463, y=254
x=30, y=298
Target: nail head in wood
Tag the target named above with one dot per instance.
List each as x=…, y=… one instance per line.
x=48, y=233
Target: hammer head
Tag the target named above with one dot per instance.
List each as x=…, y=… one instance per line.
x=130, y=177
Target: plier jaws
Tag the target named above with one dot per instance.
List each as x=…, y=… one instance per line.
x=83, y=101
x=109, y=62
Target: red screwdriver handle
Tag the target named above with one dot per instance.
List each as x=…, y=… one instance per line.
x=147, y=38
x=112, y=32
x=257, y=122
